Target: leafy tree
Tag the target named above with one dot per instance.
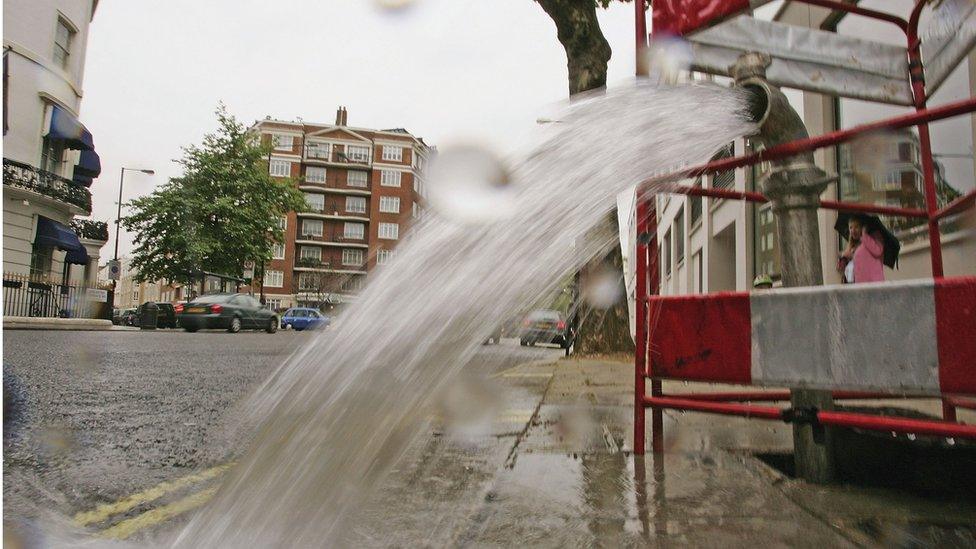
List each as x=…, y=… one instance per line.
x=224, y=209
x=587, y=55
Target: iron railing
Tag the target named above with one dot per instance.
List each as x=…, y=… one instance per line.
x=90, y=229
x=34, y=296
x=27, y=177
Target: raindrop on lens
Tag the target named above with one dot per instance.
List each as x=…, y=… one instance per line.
x=470, y=184
x=665, y=59
x=394, y=6
x=603, y=287
x=951, y=441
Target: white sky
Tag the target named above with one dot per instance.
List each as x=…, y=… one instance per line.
x=443, y=69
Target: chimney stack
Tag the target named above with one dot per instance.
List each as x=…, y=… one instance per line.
x=342, y=116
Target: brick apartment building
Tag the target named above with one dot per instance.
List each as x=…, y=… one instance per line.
x=363, y=188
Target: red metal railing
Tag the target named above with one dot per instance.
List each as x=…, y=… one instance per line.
x=648, y=279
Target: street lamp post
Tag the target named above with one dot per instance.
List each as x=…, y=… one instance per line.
x=118, y=220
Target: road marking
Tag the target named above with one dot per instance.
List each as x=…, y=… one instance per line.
x=513, y=370
x=152, y=517
x=527, y=374
x=514, y=416
x=105, y=511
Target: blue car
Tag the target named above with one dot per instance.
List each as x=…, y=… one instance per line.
x=302, y=318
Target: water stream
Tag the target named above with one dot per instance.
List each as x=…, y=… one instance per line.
x=339, y=413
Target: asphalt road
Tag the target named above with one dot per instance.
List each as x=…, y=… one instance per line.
x=104, y=415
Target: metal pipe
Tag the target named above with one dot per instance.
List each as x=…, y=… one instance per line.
x=964, y=202
x=897, y=424
x=640, y=302
x=857, y=10
x=640, y=32
x=722, y=408
x=826, y=204
x=780, y=395
x=826, y=417
x=948, y=110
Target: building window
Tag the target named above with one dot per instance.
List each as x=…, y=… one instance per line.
x=415, y=211
x=679, y=237
x=308, y=281
x=311, y=252
x=383, y=256
x=418, y=161
x=357, y=179
x=312, y=227
x=41, y=257
x=352, y=284
x=277, y=250
x=354, y=230
x=316, y=201
x=356, y=153
x=666, y=254
x=283, y=222
x=389, y=178
x=52, y=153
x=318, y=150
x=273, y=303
x=352, y=257
x=274, y=279
x=280, y=168
x=887, y=181
x=389, y=231
x=392, y=153
x=356, y=204
x=63, y=36
x=283, y=142
x=315, y=174
x=389, y=204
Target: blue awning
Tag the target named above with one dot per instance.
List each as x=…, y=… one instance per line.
x=67, y=128
x=89, y=165
x=56, y=235
x=82, y=180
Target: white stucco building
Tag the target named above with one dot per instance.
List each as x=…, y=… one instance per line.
x=49, y=159
x=709, y=245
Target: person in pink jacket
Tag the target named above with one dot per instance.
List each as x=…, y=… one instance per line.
x=862, y=261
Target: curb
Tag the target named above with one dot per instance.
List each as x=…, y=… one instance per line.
x=35, y=323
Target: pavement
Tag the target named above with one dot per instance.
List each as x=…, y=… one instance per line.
x=127, y=433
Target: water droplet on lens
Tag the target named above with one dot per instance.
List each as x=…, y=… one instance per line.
x=665, y=59
x=394, y=6
x=470, y=184
x=603, y=287
x=951, y=441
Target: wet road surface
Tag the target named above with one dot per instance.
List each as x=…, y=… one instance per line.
x=127, y=433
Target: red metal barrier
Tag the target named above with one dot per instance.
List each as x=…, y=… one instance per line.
x=647, y=282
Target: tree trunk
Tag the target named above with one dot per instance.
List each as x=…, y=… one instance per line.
x=587, y=51
x=599, y=331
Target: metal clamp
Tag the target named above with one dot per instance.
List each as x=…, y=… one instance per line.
x=807, y=415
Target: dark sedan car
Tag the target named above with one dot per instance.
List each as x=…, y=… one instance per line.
x=544, y=326
x=231, y=312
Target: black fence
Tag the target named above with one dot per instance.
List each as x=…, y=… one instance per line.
x=39, y=297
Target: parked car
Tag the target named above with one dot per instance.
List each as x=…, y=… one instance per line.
x=166, y=316
x=544, y=326
x=127, y=317
x=302, y=318
x=494, y=338
x=231, y=312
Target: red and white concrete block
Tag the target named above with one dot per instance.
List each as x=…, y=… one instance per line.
x=899, y=337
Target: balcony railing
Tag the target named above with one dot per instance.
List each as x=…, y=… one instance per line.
x=27, y=177
x=337, y=157
x=90, y=229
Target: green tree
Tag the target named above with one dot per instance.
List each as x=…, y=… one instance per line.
x=224, y=209
x=587, y=55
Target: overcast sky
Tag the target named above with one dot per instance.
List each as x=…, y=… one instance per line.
x=443, y=69
x=446, y=70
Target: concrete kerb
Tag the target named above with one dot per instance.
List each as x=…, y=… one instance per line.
x=36, y=323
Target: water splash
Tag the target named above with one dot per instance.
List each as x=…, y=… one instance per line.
x=341, y=412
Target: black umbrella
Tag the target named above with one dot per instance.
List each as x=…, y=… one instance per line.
x=872, y=224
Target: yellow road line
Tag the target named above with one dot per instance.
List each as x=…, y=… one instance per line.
x=152, y=517
x=104, y=511
x=534, y=363
x=527, y=374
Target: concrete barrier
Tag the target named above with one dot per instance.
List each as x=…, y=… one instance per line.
x=38, y=323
